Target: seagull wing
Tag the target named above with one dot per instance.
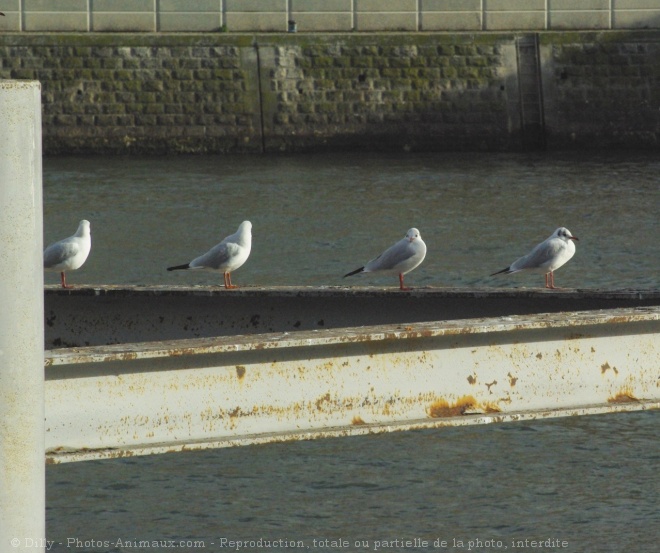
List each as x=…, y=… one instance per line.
x=539, y=257
x=216, y=257
x=391, y=257
x=59, y=252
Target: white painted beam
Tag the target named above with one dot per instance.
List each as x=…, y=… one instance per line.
x=128, y=399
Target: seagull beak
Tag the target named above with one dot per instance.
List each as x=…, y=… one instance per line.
x=573, y=238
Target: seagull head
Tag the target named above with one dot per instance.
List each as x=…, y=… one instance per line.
x=565, y=234
x=83, y=228
x=412, y=235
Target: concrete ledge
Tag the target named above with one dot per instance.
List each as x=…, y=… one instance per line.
x=98, y=315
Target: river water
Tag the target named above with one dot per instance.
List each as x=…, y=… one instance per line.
x=315, y=218
x=578, y=484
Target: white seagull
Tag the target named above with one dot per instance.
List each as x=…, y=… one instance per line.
x=69, y=254
x=227, y=256
x=546, y=257
x=399, y=259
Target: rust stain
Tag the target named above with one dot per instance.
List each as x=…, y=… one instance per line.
x=539, y=355
x=357, y=421
x=593, y=350
x=490, y=407
x=472, y=379
x=512, y=379
x=442, y=408
x=624, y=396
x=321, y=401
x=235, y=413
x=606, y=367
x=490, y=384
x=240, y=371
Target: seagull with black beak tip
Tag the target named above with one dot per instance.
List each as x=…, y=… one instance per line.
x=546, y=257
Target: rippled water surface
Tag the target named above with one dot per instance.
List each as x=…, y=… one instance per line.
x=591, y=482
x=317, y=217
x=588, y=483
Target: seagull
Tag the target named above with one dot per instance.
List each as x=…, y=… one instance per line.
x=227, y=256
x=399, y=259
x=69, y=254
x=546, y=257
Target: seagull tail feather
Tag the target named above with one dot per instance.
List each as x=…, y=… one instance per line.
x=360, y=270
x=179, y=267
x=507, y=271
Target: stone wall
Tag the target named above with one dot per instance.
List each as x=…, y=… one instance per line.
x=601, y=90
x=202, y=93
x=324, y=15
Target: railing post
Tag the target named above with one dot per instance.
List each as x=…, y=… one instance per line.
x=22, y=443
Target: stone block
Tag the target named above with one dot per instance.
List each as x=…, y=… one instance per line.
x=635, y=4
x=636, y=19
x=514, y=5
x=188, y=6
x=123, y=6
x=320, y=6
x=189, y=22
x=123, y=22
x=383, y=6
x=255, y=6
x=62, y=22
x=321, y=22
x=445, y=21
x=505, y=21
x=257, y=22
x=385, y=21
x=450, y=5
x=582, y=5
x=11, y=22
x=564, y=20
x=58, y=6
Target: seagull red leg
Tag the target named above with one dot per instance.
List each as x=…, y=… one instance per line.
x=401, y=286
x=63, y=280
x=228, y=283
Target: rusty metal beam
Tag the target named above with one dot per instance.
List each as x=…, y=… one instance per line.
x=131, y=399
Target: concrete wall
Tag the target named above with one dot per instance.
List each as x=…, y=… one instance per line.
x=215, y=93
x=325, y=15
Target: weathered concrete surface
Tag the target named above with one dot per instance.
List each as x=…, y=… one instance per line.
x=217, y=93
x=90, y=316
x=327, y=15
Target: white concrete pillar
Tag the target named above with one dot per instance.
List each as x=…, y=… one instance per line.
x=22, y=466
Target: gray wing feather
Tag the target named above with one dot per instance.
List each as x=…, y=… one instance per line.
x=215, y=257
x=539, y=256
x=391, y=257
x=59, y=252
